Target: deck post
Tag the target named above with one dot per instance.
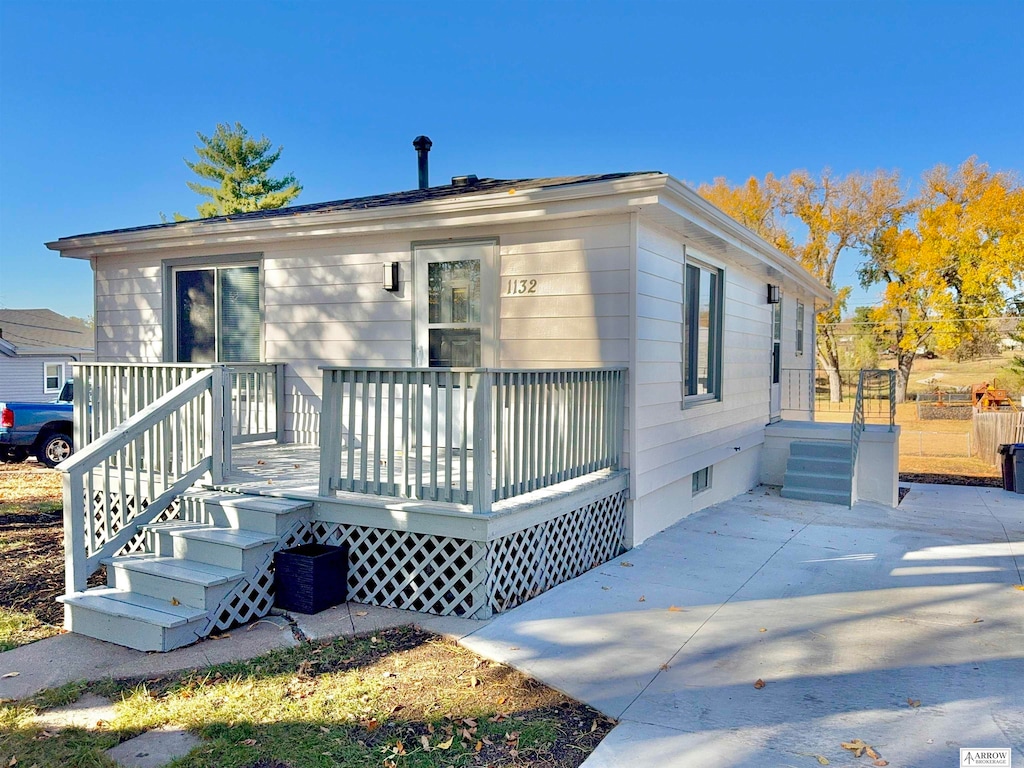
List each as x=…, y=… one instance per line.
x=330, y=430
x=74, y=532
x=482, y=473
x=279, y=402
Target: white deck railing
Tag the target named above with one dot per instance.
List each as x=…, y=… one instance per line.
x=108, y=394
x=422, y=432
x=131, y=474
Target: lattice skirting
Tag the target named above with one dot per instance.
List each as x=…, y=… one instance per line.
x=415, y=571
x=458, y=577
x=525, y=563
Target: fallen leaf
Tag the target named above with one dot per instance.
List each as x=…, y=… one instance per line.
x=361, y=613
x=822, y=760
x=479, y=746
x=642, y=599
x=370, y=724
x=759, y=684
x=626, y=564
x=324, y=729
x=977, y=621
x=425, y=741
x=857, y=746
x=445, y=744
x=470, y=721
x=914, y=702
x=605, y=588
x=663, y=667
x=295, y=465
x=881, y=763
x=675, y=608
x=10, y=674
x=593, y=725
x=249, y=742
x=399, y=748
x=260, y=461
x=474, y=681
x=1019, y=586
x=175, y=601
x=763, y=629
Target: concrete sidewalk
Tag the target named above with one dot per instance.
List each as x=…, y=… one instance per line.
x=904, y=628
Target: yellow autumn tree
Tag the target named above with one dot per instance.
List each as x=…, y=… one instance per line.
x=757, y=205
x=947, y=262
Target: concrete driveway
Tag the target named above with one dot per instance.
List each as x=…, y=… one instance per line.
x=903, y=628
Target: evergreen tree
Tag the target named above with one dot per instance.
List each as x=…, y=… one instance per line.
x=238, y=166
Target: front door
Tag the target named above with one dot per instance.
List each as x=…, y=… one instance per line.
x=775, y=395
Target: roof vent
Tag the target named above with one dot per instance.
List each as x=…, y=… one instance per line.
x=464, y=181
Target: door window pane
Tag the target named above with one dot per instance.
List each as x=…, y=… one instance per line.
x=453, y=313
x=218, y=315
x=197, y=327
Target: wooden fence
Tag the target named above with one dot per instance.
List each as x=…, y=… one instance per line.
x=989, y=429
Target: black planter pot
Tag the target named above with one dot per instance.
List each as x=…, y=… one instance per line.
x=310, y=578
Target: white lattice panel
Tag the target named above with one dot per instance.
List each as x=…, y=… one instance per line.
x=254, y=595
x=414, y=571
x=525, y=563
x=99, y=532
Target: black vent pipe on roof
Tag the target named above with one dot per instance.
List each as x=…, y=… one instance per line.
x=422, y=144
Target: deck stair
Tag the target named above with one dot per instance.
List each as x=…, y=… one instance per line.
x=818, y=470
x=205, y=569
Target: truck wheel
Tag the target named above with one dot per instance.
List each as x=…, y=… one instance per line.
x=57, y=447
x=14, y=455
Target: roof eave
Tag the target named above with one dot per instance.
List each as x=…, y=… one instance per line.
x=747, y=240
x=617, y=194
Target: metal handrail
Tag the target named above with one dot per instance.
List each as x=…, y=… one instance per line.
x=857, y=425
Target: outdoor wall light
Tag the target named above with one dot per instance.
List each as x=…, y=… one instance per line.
x=773, y=294
x=390, y=275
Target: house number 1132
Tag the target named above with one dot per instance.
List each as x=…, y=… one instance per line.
x=516, y=287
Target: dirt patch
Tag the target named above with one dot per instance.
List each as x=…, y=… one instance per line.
x=975, y=480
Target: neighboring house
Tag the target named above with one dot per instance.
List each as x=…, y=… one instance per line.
x=37, y=347
x=624, y=340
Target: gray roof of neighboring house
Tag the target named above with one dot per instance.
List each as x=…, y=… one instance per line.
x=408, y=197
x=43, y=329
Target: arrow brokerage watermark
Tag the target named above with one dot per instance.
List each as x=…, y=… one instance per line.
x=985, y=757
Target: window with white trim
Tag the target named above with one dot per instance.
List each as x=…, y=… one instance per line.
x=217, y=315
x=702, y=333
x=53, y=377
x=799, y=328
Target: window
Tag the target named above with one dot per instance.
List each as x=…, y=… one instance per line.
x=453, y=313
x=702, y=333
x=799, y=328
x=217, y=314
x=701, y=480
x=53, y=377
x=455, y=298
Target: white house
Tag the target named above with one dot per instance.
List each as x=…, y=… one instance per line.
x=613, y=344
x=37, y=347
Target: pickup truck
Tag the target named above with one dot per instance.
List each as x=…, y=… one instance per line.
x=40, y=429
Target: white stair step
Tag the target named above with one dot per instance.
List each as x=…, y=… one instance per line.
x=820, y=449
x=256, y=513
x=133, y=620
x=201, y=585
x=817, y=480
x=159, y=539
x=226, y=547
x=814, y=494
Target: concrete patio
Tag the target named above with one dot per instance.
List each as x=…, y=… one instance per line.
x=904, y=628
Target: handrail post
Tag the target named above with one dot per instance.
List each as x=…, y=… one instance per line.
x=330, y=430
x=279, y=401
x=220, y=423
x=74, y=532
x=483, y=494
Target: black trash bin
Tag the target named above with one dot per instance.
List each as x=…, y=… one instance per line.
x=1006, y=463
x=310, y=578
x=1017, y=455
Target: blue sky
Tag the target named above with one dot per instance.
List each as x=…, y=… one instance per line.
x=100, y=101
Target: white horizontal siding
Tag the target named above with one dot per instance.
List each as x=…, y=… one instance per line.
x=21, y=379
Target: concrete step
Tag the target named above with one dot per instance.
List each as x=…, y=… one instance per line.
x=191, y=583
x=254, y=513
x=137, y=621
x=820, y=465
x=821, y=449
x=227, y=547
x=811, y=494
x=817, y=481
